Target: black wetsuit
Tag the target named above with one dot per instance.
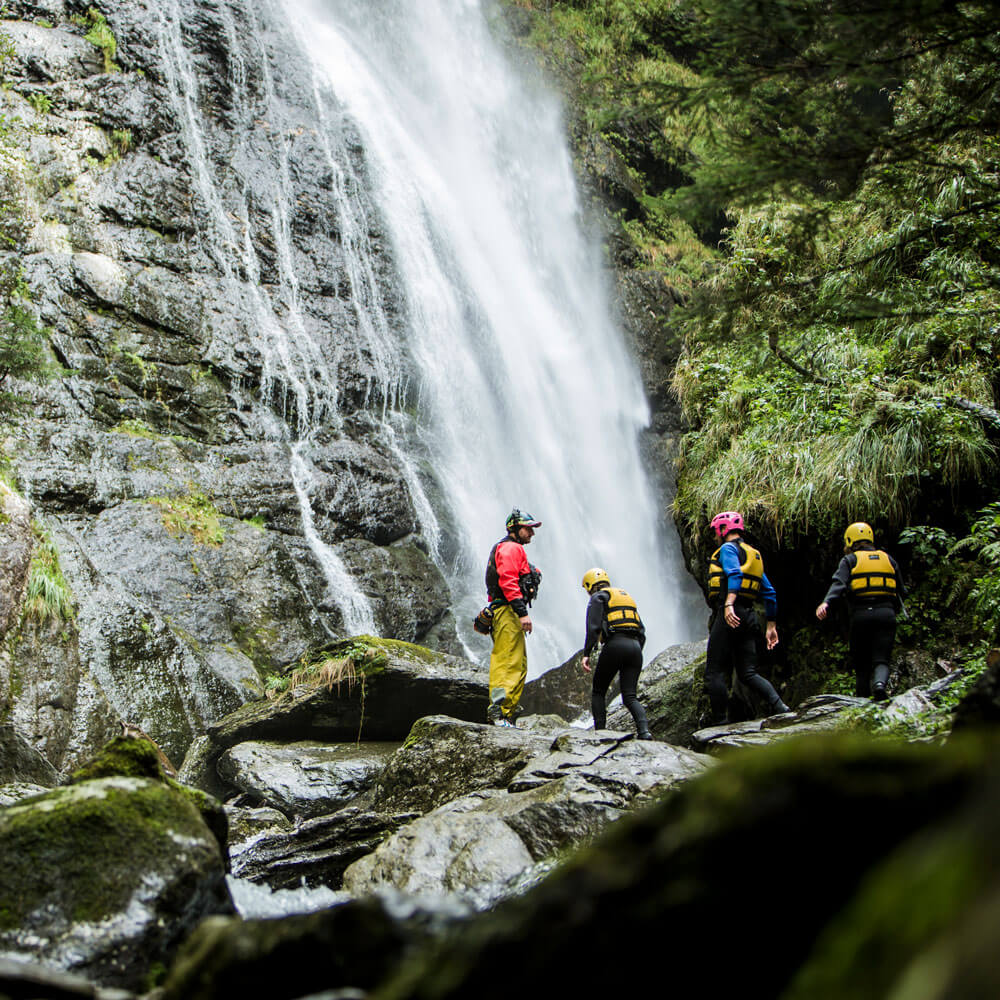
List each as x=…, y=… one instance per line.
x=729, y=647
x=621, y=653
x=873, y=627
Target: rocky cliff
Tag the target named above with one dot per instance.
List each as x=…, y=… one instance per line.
x=215, y=471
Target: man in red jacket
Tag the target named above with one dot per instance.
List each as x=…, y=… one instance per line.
x=511, y=586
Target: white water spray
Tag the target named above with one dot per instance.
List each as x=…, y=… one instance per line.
x=527, y=395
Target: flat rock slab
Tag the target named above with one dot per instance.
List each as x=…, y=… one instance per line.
x=414, y=682
x=304, y=779
x=820, y=714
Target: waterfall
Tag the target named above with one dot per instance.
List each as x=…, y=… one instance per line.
x=527, y=395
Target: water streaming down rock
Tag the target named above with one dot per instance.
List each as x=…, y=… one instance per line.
x=300, y=379
x=527, y=395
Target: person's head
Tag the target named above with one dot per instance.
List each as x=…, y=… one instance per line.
x=521, y=526
x=726, y=523
x=858, y=536
x=595, y=579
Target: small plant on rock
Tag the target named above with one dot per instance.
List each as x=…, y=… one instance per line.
x=48, y=597
x=102, y=37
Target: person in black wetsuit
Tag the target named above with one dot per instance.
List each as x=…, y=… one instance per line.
x=613, y=620
x=870, y=581
x=736, y=580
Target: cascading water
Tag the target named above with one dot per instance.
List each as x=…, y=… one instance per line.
x=527, y=395
x=299, y=375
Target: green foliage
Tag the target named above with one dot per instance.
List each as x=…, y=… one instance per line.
x=193, y=515
x=136, y=428
x=840, y=363
x=346, y=662
x=7, y=53
x=102, y=37
x=23, y=342
x=48, y=597
x=121, y=143
x=960, y=593
x=42, y=103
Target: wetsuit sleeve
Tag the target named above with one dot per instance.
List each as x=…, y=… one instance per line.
x=841, y=582
x=511, y=563
x=729, y=559
x=770, y=596
x=595, y=621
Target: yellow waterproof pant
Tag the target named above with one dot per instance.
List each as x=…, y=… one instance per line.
x=508, y=664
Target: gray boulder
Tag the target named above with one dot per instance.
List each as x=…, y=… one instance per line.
x=444, y=758
x=316, y=852
x=303, y=779
x=670, y=689
x=479, y=846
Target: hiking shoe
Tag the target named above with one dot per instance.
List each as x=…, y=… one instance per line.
x=879, y=693
x=645, y=735
x=504, y=723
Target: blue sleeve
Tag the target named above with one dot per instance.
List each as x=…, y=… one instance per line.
x=770, y=598
x=729, y=558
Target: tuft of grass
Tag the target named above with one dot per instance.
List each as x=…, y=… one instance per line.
x=102, y=37
x=48, y=597
x=42, y=103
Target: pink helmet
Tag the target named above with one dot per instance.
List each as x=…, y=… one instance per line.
x=725, y=522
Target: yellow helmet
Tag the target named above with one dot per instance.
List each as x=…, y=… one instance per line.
x=594, y=576
x=858, y=532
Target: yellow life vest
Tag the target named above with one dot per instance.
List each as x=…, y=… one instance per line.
x=751, y=566
x=623, y=615
x=872, y=575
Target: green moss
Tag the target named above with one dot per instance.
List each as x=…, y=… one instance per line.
x=127, y=756
x=193, y=515
x=71, y=849
x=102, y=37
x=136, y=428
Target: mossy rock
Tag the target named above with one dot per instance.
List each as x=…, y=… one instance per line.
x=134, y=757
x=346, y=946
x=717, y=854
x=106, y=876
x=125, y=756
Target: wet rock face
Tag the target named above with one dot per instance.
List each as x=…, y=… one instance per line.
x=181, y=228
x=670, y=872
x=500, y=800
x=61, y=906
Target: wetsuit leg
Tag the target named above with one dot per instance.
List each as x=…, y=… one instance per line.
x=719, y=667
x=860, y=643
x=876, y=627
x=604, y=673
x=746, y=661
x=631, y=667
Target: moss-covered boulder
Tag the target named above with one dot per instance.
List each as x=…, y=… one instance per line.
x=106, y=877
x=926, y=916
x=693, y=871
